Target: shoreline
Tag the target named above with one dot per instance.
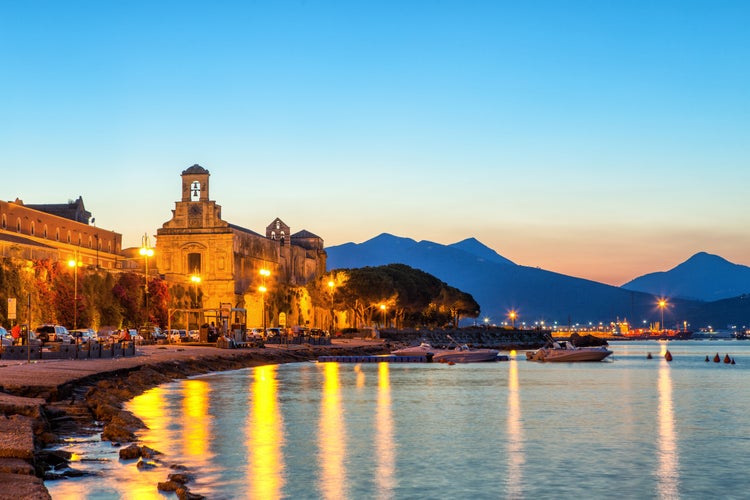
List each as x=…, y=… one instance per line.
x=46, y=401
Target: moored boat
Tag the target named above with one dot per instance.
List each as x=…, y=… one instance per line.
x=459, y=354
x=566, y=352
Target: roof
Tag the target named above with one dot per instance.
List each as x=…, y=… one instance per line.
x=195, y=169
x=244, y=230
x=12, y=238
x=305, y=234
x=73, y=210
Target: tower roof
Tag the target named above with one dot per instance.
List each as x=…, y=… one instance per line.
x=195, y=169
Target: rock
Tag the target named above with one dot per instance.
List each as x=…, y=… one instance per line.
x=142, y=464
x=185, y=494
x=147, y=452
x=131, y=452
x=117, y=433
x=180, y=477
x=168, y=486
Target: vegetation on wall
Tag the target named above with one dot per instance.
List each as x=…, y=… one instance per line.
x=100, y=297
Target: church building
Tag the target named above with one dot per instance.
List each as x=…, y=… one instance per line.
x=226, y=258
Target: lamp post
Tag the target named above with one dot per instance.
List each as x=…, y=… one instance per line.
x=147, y=252
x=331, y=284
x=75, y=264
x=262, y=289
x=662, y=304
x=513, y=315
x=382, y=308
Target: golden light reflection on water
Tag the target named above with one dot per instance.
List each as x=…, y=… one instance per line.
x=516, y=458
x=195, y=397
x=332, y=438
x=265, y=436
x=360, y=376
x=385, y=445
x=667, y=473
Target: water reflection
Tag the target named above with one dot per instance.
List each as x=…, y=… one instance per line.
x=195, y=397
x=667, y=473
x=385, y=445
x=516, y=456
x=332, y=440
x=265, y=436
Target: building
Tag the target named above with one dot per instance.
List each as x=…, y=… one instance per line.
x=228, y=258
x=58, y=232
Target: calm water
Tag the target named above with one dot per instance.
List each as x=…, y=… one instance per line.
x=632, y=428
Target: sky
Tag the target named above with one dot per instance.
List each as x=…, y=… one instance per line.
x=602, y=140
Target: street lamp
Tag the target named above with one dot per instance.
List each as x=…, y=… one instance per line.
x=382, y=308
x=196, y=281
x=331, y=284
x=147, y=252
x=262, y=289
x=662, y=304
x=75, y=264
x=513, y=316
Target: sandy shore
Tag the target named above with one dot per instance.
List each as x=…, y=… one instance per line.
x=42, y=398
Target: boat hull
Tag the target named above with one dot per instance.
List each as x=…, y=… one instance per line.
x=568, y=355
x=461, y=355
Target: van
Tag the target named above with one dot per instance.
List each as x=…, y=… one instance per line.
x=52, y=333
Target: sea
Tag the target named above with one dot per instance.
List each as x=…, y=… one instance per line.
x=634, y=426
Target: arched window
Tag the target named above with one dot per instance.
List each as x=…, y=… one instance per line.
x=68, y=237
x=57, y=234
x=194, y=263
x=273, y=235
x=32, y=229
x=91, y=242
x=79, y=239
x=18, y=225
x=5, y=222
x=195, y=191
x=45, y=231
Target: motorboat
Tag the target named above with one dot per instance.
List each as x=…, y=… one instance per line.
x=460, y=354
x=564, y=351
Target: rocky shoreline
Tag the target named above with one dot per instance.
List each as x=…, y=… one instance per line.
x=83, y=395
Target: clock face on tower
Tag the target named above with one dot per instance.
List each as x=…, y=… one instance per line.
x=194, y=210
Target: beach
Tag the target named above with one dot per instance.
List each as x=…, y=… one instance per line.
x=45, y=400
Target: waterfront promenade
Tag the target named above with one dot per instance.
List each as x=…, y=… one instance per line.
x=30, y=389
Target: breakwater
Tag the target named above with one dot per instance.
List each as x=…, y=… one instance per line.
x=491, y=338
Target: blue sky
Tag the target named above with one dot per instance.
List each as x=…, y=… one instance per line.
x=599, y=139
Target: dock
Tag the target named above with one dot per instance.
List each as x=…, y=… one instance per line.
x=372, y=359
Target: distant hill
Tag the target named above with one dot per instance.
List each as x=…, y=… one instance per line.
x=498, y=284
x=703, y=277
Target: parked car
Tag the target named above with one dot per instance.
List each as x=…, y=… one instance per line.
x=83, y=335
x=7, y=340
x=51, y=333
x=255, y=333
x=151, y=333
x=274, y=332
x=178, y=336
x=194, y=336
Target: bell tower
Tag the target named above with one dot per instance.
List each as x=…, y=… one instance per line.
x=195, y=184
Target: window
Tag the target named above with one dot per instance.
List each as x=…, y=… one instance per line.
x=45, y=231
x=68, y=237
x=194, y=263
x=32, y=229
x=18, y=225
x=195, y=191
x=57, y=234
x=5, y=222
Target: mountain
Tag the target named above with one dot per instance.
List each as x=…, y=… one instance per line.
x=703, y=277
x=499, y=285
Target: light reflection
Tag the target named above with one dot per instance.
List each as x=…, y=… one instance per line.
x=195, y=396
x=384, y=445
x=265, y=436
x=516, y=458
x=360, y=376
x=332, y=440
x=667, y=474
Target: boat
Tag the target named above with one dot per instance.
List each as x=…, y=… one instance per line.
x=460, y=354
x=564, y=351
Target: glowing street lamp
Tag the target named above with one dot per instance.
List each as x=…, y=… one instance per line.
x=147, y=252
x=513, y=316
x=262, y=289
x=662, y=304
x=75, y=264
x=196, y=279
x=382, y=308
x=331, y=284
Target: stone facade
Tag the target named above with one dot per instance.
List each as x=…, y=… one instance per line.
x=228, y=258
x=56, y=232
